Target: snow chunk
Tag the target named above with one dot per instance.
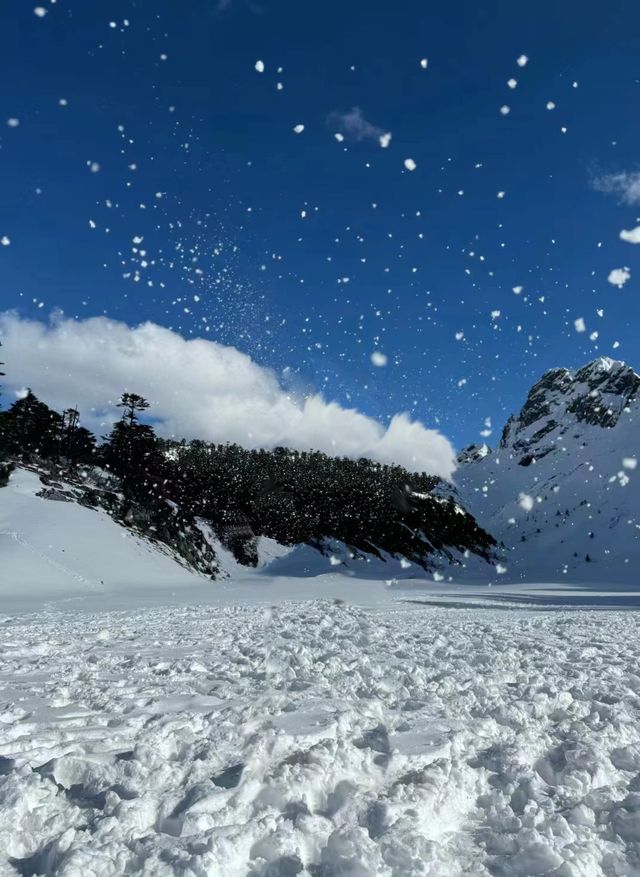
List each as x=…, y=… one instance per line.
x=298, y=129
x=580, y=325
x=618, y=277
x=522, y=61
x=525, y=502
x=632, y=236
x=379, y=359
x=259, y=66
x=410, y=164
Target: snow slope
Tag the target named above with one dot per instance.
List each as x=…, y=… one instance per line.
x=56, y=550
x=563, y=484
x=319, y=740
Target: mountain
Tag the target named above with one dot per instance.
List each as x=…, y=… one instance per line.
x=561, y=490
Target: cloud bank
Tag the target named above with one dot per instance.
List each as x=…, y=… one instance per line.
x=198, y=389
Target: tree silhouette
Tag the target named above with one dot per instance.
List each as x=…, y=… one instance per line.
x=132, y=403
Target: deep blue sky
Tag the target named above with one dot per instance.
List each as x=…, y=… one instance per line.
x=215, y=138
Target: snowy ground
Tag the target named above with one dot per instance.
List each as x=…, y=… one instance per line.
x=321, y=739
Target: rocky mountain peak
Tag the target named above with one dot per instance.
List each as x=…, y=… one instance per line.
x=596, y=394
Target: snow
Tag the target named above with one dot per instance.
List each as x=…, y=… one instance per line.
x=314, y=738
x=61, y=550
x=618, y=277
x=304, y=718
x=632, y=236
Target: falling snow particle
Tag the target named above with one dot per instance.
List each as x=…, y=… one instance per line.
x=424, y=63
x=618, y=277
x=505, y=110
x=525, y=502
x=517, y=289
x=410, y=164
x=512, y=83
x=579, y=325
x=632, y=236
x=259, y=65
x=40, y=11
x=13, y=123
x=522, y=61
x=298, y=129
x=629, y=462
x=551, y=105
x=385, y=139
x=379, y=359
x=5, y=241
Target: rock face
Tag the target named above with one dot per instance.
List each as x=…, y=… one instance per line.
x=561, y=490
x=596, y=394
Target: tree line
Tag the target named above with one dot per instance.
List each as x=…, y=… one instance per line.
x=291, y=496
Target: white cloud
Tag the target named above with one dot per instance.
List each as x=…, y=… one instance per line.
x=198, y=389
x=618, y=277
x=626, y=184
x=353, y=124
x=632, y=236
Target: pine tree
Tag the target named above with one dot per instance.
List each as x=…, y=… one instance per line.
x=76, y=442
x=32, y=427
x=132, y=402
x=131, y=449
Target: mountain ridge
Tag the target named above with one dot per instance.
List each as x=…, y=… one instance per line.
x=558, y=491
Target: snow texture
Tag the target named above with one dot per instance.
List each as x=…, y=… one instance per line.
x=319, y=739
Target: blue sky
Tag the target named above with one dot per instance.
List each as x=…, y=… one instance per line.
x=169, y=134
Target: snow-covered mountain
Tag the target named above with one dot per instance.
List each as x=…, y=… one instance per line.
x=561, y=490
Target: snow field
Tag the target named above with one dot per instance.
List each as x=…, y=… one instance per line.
x=319, y=739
